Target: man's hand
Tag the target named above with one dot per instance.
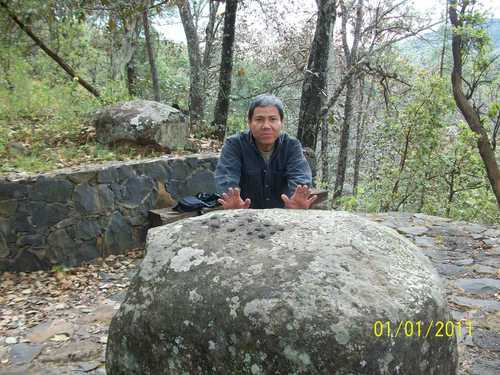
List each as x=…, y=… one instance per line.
x=232, y=199
x=300, y=199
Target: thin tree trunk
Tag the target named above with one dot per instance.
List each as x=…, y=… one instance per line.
x=351, y=60
x=226, y=69
x=360, y=131
x=151, y=56
x=315, y=77
x=344, y=141
x=445, y=40
x=68, y=69
x=325, y=165
x=112, y=71
x=402, y=165
x=210, y=32
x=470, y=115
x=131, y=65
x=451, y=193
x=338, y=90
x=132, y=77
x=196, y=94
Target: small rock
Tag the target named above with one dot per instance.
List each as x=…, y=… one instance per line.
x=60, y=306
x=481, y=286
x=486, y=339
x=414, y=231
x=479, y=268
x=485, y=367
x=464, y=262
x=449, y=269
x=486, y=304
x=425, y=241
x=24, y=353
x=55, y=328
x=11, y=340
x=494, y=250
x=87, y=366
x=494, y=233
x=60, y=338
x=81, y=351
x=477, y=236
x=491, y=241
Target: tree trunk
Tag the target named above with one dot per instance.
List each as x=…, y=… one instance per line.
x=344, y=141
x=351, y=55
x=451, y=193
x=360, y=132
x=151, y=56
x=470, y=115
x=132, y=77
x=445, y=40
x=68, y=69
x=132, y=35
x=210, y=32
x=226, y=69
x=315, y=77
x=196, y=94
x=325, y=165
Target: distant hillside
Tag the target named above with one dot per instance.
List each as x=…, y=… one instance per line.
x=427, y=45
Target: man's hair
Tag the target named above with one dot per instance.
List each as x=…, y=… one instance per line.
x=265, y=100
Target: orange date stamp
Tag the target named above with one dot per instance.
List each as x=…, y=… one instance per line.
x=419, y=328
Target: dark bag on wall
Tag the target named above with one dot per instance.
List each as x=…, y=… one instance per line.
x=194, y=203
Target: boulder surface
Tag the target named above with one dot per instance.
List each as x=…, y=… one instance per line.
x=142, y=122
x=281, y=292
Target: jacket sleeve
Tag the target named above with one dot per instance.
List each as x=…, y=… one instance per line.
x=228, y=170
x=298, y=169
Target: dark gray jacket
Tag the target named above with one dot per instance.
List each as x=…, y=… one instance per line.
x=241, y=165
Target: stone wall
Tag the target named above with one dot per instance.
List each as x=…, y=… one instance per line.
x=75, y=215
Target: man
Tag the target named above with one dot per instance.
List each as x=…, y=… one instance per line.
x=262, y=167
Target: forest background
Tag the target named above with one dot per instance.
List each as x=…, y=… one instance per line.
x=366, y=86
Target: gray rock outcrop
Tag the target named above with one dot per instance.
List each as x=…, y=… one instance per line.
x=142, y=122
x=280, y=292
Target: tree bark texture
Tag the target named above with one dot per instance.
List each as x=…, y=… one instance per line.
x=68, y=69
x=471, y=116
x=151, y=56
x=315, y=77
x=226, y=69
x=196, y=93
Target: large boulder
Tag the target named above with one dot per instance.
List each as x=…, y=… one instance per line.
x=281, y=292
x=142, y=122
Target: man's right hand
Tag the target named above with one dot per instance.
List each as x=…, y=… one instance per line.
x=232, y=199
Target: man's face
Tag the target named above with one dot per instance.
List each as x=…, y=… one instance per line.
x=265, y=126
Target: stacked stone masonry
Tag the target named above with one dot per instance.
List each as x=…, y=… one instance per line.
x=75, y=215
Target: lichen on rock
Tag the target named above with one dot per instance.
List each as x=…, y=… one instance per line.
x=279, y=292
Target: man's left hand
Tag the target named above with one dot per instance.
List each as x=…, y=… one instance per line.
x=300, y=199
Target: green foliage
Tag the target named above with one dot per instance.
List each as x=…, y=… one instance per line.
x=44, y=113
x=426, y=165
